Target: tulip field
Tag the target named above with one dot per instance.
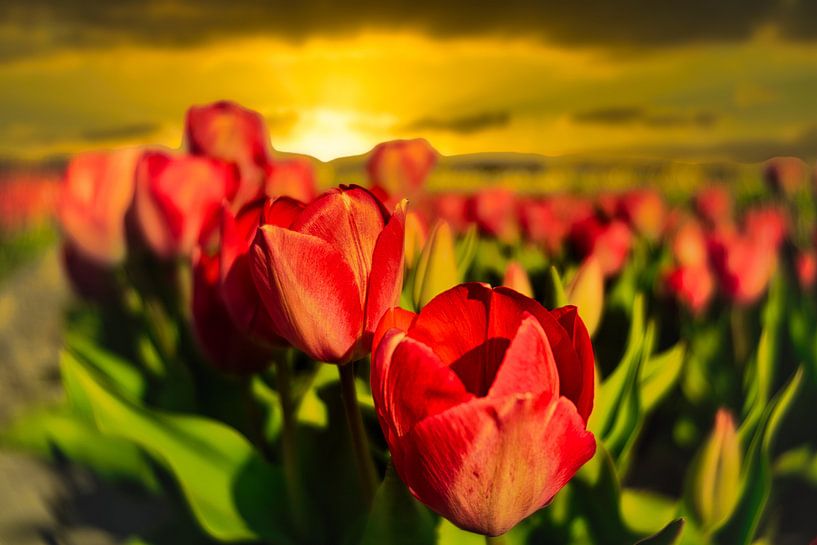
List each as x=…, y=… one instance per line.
x=394, y=354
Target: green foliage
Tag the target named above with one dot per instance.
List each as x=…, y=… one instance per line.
x=397, y=518
x=234, y=494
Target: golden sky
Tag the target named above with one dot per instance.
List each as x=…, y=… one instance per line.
x=336, y=94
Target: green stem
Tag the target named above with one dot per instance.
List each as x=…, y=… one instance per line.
x=360, y=442
x=498, y=540
x=289, y=441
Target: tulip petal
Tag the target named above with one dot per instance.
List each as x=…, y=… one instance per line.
x=393, y=318
x=385, y=280
x=350, y=221
x=581, y=390
x=487, y=464
x=454, y=322
x=420, y=385
x=309, y=291
x=529, y=366
x=575, y=369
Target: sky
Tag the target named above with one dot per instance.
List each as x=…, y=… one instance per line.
x=692, y=81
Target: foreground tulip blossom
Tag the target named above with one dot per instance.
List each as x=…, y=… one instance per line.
x=484, y=398
x=328, y=277
x=178, y=200
x=95, y=195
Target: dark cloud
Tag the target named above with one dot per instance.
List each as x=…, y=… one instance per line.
x=461, y=125
x=123, y=132
x=29, y=27
x=742, y=150
x=628, y=115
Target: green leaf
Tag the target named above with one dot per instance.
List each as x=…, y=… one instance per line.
x=466, y=250
x=596, y=499
x=644, y=511
x=618, y=415
x=740, y=527
x=233, y=493
x=397, y=518
x=50, y=431
x=118, y=372
x=659, y=375
x=449, y=534
x=668, y=536
x=559, y=295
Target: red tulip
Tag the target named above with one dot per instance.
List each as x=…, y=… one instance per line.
x=453, y=208
x=495, y=213
x=689, y=245
x=610, y=242
x=179, y=198
x=224, y=130
x=401, y=167
x=785, y=175
x=543, y=222
x=328, y=278
x=692, y=285
x=644, y=211
x=96, y=193
x=807, y=269
x=225, y=345
x=293, y=177
x=484, y=398
x=241, y=297
x=744, y=265
x=714, y=205
x=768, y=226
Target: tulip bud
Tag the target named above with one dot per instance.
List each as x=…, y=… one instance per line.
x=416, y=237
x=516, y=278
x=224, y=130
x=586, y=292
x=178, y=200
x=437, y=267
x=715, y=474
x=95, y=195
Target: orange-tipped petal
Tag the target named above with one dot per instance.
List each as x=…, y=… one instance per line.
x=385, y=280
x=309, y=291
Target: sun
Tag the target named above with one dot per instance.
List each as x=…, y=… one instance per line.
x=328, y=134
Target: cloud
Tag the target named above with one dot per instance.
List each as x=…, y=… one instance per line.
x=629, y=115
x=122, y=132
x=31, y=27
x=742, y=150
x=461, y=125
